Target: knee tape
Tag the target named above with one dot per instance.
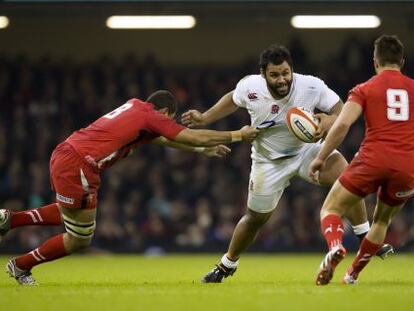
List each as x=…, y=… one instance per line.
x=80, y=230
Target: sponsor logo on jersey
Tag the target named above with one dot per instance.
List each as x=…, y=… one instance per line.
x=64, y=199
x=403, y=194
x=252, y=96
x=275, y=109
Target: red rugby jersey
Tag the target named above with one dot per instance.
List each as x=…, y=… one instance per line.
x=114, y=135
x=387, y=100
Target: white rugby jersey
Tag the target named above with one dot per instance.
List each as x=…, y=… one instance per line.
x=276, y=141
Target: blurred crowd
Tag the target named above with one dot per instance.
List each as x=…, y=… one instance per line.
x=159, y=199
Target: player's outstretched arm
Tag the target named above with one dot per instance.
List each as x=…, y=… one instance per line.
x=215, y=151
x=224, y=107
x=209, y=138
x=336, y=135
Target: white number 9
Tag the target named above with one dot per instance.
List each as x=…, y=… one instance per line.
x=397, y=105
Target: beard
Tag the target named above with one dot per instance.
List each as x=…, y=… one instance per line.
x=281, y=89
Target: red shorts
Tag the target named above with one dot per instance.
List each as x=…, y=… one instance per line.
x=394, y=187
x=75, y=182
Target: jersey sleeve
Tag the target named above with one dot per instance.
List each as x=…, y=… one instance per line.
x=239, y=93
x=357, y=95
x=328, y=98
x=163, y=125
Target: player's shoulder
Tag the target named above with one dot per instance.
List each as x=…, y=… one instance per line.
x=251, y=81
x=308, y=81
x=141, y=105
x=368, y=83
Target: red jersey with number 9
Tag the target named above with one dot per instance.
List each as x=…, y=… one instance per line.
x=387, y=101
x=116, y=134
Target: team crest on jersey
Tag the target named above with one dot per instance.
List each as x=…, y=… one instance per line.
x=252, y=96
x=275, y=109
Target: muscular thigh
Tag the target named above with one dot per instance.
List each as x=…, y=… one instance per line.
x=267, y=183
x=74, y=182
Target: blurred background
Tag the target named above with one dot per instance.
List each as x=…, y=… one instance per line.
x=61, y=68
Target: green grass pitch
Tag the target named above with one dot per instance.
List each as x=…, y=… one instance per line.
x=263, y=282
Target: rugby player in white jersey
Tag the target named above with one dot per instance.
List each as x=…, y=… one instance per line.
x=277, y=155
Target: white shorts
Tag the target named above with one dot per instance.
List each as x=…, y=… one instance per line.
x=269, y=179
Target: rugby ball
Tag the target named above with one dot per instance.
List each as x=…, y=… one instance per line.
x=302, y=123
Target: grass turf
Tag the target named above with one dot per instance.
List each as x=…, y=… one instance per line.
x=263, y=282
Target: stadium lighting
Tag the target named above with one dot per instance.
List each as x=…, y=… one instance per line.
x=4, y=22
x=335, y=21
x=151, y=22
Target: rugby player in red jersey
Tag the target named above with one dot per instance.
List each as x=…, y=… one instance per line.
x=76, y=164
x=384, y=163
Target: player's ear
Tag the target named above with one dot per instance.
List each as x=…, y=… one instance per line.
x=375, y=64
x=164, y=111
x=402, y=62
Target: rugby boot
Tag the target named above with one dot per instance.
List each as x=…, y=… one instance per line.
x=23, y=277
x=385, y=250
x=329, y=263
x=218, y=274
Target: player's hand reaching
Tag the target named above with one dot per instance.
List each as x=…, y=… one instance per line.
x=315, y=168
x=248, y=133
x=193, y=119
x=325, y=123
x=216, y=151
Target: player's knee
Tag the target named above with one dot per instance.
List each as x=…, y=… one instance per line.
x=256, y=219
x=78, y=234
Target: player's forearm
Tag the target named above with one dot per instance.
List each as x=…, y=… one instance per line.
x=335, y=137
x=172, y=144
x=224, y=107
x=334, y=113
x=209, y=138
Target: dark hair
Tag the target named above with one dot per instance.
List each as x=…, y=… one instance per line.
x=389, y=50
x=275, y=54
x=163, y=99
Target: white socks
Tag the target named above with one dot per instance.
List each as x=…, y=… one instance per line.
x=361, y=229
x=229, y=263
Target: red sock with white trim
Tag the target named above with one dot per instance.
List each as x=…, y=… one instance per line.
x=50, y=250
x=367, y=249
x=333, y=230
x=42, y=216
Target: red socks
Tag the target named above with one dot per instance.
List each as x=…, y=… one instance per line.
x=50, y=250
x=46, y=215
x=333, y=230
x=367, y=249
